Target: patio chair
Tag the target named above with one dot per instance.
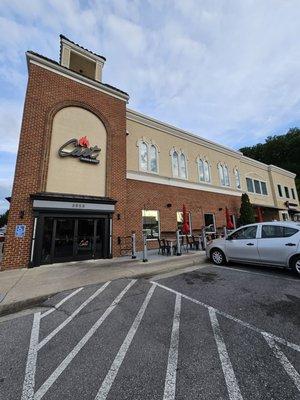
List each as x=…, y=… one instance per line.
x=196, y=242
x=167, y=247
x=161, y=246
x=189, y=242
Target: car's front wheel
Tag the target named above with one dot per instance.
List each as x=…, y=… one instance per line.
x=217, y=256
x=295, y=264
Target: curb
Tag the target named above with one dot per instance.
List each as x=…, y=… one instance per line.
x=17, y=306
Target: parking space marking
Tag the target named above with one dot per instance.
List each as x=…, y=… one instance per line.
x=73, y=315
x=54, y=308
x=113, y=371
x=63, y=365
x=232, y=318
x=229, y=375
x=246, y=271
x=170, y=382
x=29, y=380
x=170, y=373
x=289, y=368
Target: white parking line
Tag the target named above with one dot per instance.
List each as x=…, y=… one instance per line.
x=246, y=271
x=232, y=318
x=113, y=371
x=170, y=382
x=60, y=303
x=29, y=380
x=63, y=365
x=290, y=370
x=73, y=315
x=230, y=379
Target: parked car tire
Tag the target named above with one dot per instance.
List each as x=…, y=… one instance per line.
x=295, y=264
x=217, y=257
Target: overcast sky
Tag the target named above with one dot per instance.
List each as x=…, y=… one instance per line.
x=227, y=70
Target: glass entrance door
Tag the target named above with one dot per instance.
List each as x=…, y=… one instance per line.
x=70, y=238
x=63, y=238
x=85, y=238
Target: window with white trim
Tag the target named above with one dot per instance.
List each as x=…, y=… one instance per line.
x=148, y=157
x=203, y=170
x=237, y=178
x=151, y=224
x=286, y=191
x=223, y=174
x=175, y=164
x=256, y=186
x=210, y=222
x=179, y=164
x=182, y=166
x=153, y=158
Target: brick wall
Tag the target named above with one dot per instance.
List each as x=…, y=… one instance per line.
x=150, y=196
x=48, y=92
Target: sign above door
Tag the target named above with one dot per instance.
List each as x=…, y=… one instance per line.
x=81, y=149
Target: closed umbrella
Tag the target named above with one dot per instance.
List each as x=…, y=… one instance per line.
x=229, y=224
x=185, y=218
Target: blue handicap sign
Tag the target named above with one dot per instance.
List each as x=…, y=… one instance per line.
x=20, y=231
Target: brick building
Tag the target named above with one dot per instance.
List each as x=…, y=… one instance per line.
x=90, y=171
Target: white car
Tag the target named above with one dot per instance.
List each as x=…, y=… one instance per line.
x=267, y=243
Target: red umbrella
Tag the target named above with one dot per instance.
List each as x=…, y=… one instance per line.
x=259, y=215
x=229, y=224
x=185, y=218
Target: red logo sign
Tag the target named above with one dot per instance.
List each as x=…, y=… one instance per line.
x=83, y=141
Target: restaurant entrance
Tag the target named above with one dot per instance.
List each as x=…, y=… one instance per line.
x=64, y=238
x=70, y=228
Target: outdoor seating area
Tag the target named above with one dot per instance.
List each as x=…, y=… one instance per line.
x=168, y=245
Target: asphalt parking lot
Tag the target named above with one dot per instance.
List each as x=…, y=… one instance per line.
x=211, y=333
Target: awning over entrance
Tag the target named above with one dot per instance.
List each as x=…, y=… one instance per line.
x=71, y=227
x=76, y=203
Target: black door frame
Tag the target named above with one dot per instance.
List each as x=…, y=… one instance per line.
x=41, y=215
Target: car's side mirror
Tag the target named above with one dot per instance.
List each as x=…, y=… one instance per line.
x=229, y=238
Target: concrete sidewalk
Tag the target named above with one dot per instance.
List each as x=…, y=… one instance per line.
x=24, y=288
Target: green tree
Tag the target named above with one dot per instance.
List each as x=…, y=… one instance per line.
x=280, y=150
x=3, y=219
x=246, y=211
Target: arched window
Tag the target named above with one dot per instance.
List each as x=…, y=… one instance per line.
x=153, y=158
x=221, y=174
x=144, y=156
x=175, y=164
x=182, y=165
x=224, y=175
x=148, y=157
x=204, y=170
x=201, y=170
x=237, y=178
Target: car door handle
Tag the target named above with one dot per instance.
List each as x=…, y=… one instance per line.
x=250, y=244
x=290, y=244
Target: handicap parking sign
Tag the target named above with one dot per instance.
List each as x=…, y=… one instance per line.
x=20, y=231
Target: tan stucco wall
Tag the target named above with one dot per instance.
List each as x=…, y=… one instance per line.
x=68, y=174
x=141, y=129
x=283, y=180
x=165, y=143
x=260, y=173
